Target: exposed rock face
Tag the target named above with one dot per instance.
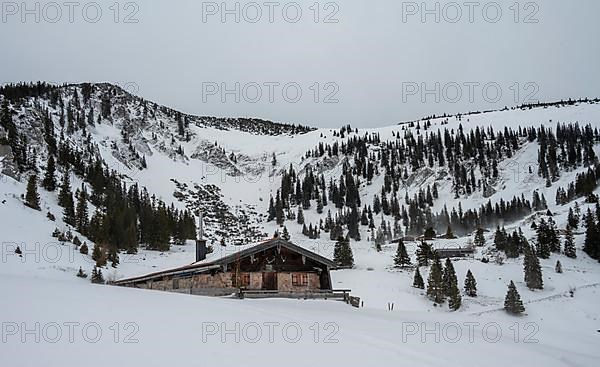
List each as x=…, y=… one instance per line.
x=106, y=123
x=7, y=166
x=240, y=225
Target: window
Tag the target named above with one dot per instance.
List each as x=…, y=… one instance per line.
x=243, y=280
x=299, y=279
x=175, y=283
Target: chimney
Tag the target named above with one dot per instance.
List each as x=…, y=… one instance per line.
x=201, y=249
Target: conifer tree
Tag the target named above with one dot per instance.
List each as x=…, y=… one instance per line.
x=424, y=253
x=479, y=237
x=32, y=198
x=429, y=233
x=449, y=233
x=401, y=259
x=97, y=277
x=500, y=239
x=532, y=269
x=285, y=235
x=49, y=181
x=279, y=214
x=342, y=253
x=591, y=244
x=573, y=219
x=300, y=215
x=454, y=297
x=319, y=205
x=552, y=237
x=84, y=249
x=418, y=279
x=513, y=243
x=113, y=256
x=558, y=267
x=81, y=273
x=272, y=213
x=81, y=217
x=353, y=224
x=512, y=302
x=69, y=211
x=98, y=256
x=569, y=244
x=435, y=282
x=64, y=194
x=450, y=286
x=543, y=240
x=448, y=276
x=470, y=285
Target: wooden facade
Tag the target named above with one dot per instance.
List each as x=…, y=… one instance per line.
x=271, y=266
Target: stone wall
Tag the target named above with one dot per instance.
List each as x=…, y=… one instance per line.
x=222, y=282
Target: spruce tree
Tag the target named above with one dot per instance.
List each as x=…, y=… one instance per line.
x=479, y=237
x=300, y=215
x=429, y=233
x=569, y=244
x=81, y=273
x=113, y=257
x=573, y=219
x=279, y=213
x=512, y=245
x=49, y=181
x=592, y=236
x=81, y=217
x=470, y=285
x=84, y=249
x=97, y=277
x=402, y=259
x=543, y=240
x=532, y=269
x=271, y=210
x=342, y=253
x=449, y=277
x=353, y=224
x=285, y=235
x=449, y=233
x=69, y=211
x=454, y=297
x=553, y=237
x=98, y=256
x=64, y=194
x=418, y=279
x=435, y=282
x=558, y=267
x=512, y=302
x=500, y=239
x=32, y=198
x=424, y=253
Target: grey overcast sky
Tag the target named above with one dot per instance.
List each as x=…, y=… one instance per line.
x=367, y=63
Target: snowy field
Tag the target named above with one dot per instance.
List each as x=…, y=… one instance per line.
x=51, y=322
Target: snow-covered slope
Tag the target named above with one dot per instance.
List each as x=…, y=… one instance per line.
x=225, y=168
x=157, y=329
